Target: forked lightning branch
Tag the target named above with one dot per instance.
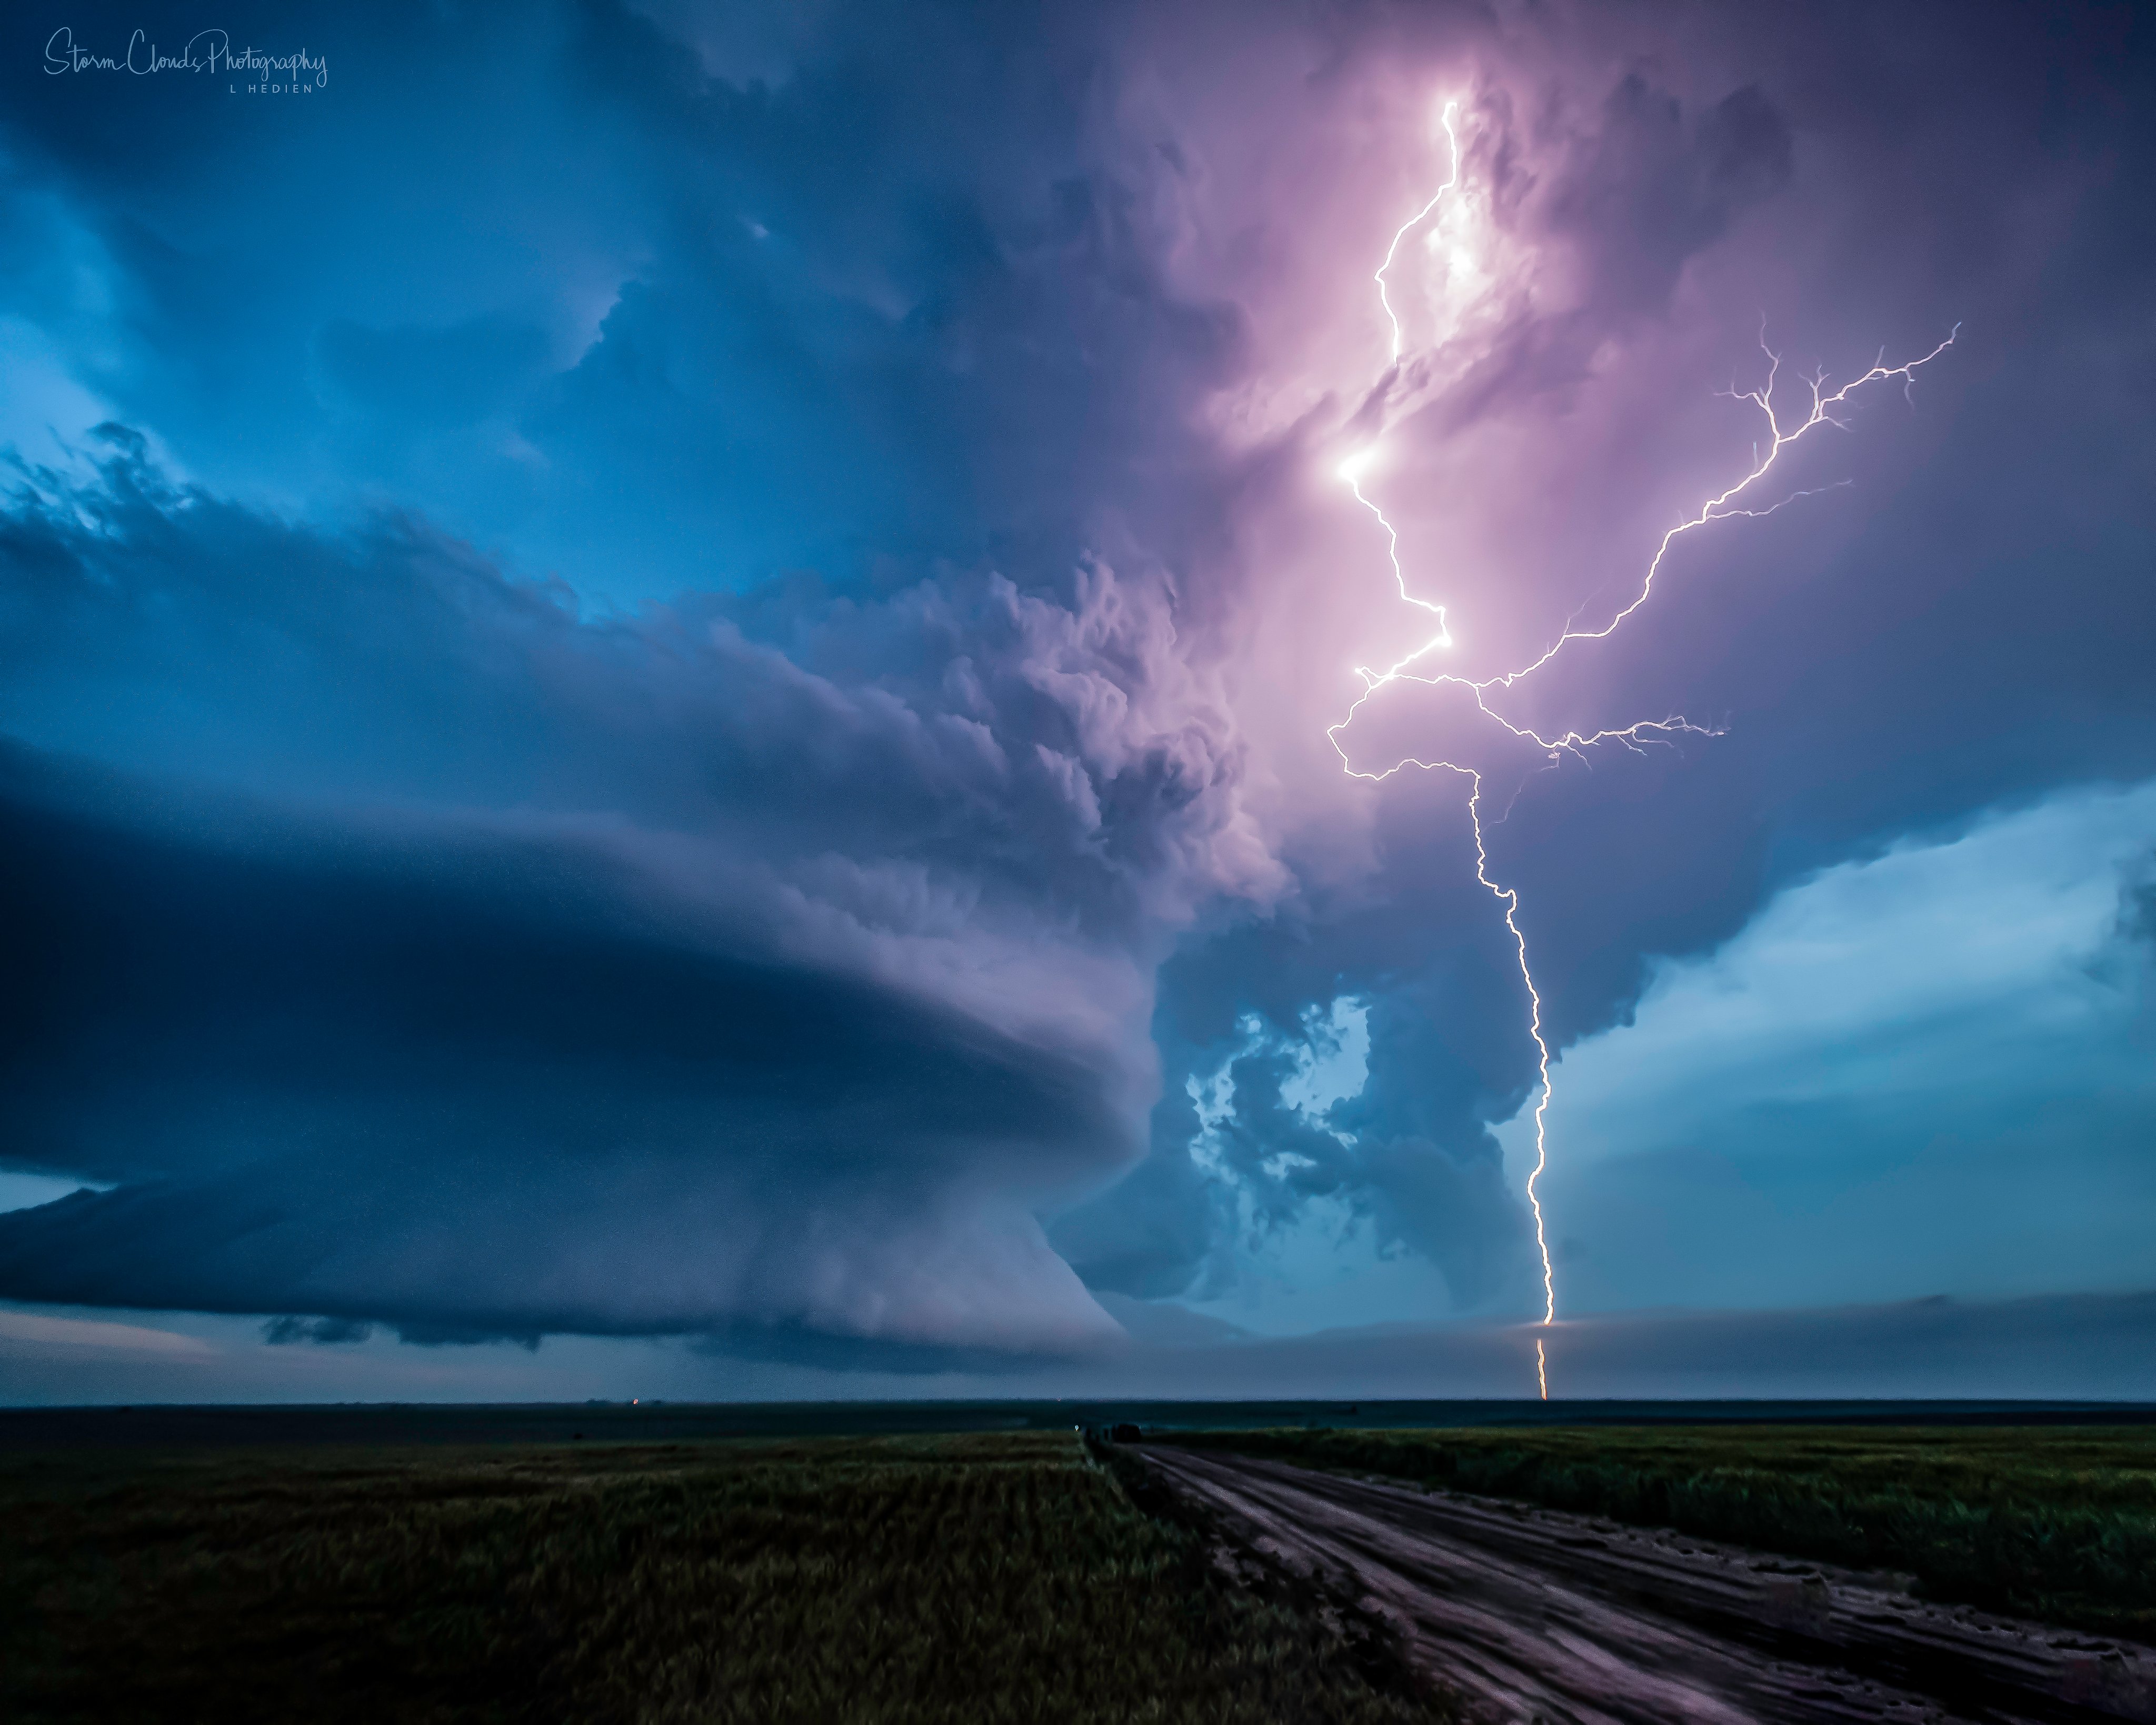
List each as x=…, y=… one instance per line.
x=1782, y=429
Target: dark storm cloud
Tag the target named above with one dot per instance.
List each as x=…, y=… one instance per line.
x=875, y=308
x=1042, y=745
x=1653, y=185
x=883, y=304
x=843, y=978
x=906, y=353
x=462, y=1084
x=324, y=1332
x=1418, y=1159
x=1964, y=626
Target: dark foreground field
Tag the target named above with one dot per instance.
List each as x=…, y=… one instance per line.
x=2056, y=1523
x=988, y=1577
x=665, y=1575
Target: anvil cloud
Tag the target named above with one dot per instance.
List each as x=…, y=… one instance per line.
x=663, y=670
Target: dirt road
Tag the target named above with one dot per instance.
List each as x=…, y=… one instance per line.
x=1532, y=1615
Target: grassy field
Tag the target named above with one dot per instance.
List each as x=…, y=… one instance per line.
x=832, y=1580
x=2053, y=1523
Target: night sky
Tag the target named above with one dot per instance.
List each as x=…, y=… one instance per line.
x=665, y=674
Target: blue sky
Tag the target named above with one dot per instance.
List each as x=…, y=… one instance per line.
x=1923, y=1071
x=665, y=677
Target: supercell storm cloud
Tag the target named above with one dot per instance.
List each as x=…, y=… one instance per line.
x=679, y=671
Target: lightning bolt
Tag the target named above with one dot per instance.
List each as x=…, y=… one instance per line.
x=1415, y=221
x=1730, y=503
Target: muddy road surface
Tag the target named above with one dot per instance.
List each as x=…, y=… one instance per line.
x=1528, y=1614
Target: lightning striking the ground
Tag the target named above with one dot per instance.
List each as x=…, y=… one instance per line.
x=1728, y=504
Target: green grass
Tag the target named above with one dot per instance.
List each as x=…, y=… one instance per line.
x=981, y=1578
x=2057, y=1523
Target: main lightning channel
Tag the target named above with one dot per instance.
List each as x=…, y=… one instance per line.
x=1415, y=221
x=1724, y=505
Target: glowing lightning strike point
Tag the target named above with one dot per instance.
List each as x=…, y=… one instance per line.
x=1724, y=505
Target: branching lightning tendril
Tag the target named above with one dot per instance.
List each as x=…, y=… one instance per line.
x=1724, y=505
